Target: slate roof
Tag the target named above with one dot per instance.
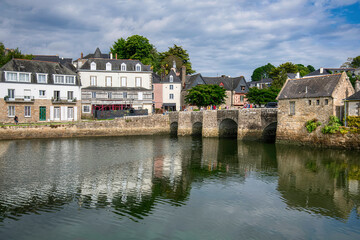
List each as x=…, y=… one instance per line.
x=156, y=78
x=34, y=66
x=176, y=79
x=291, y=75
x=193, y=80
x=355, y=96
x=67, y=62
x=310, y=87
x=115, y=64
x=97, y=54
x=317, y=73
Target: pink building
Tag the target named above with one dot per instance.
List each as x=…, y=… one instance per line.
x=158, y=91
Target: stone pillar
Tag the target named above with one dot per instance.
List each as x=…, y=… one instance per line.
x=249, y=124
x=185, y=124
x=210, y=124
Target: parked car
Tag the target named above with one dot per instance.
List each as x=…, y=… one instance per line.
x=271, y=105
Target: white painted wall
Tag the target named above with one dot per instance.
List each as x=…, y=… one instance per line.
x=176, y=91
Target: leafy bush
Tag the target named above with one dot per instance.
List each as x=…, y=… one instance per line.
x=333, y=126
x=353, y=121
x=311, y=125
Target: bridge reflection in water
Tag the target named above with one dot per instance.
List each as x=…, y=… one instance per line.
x=144, y=174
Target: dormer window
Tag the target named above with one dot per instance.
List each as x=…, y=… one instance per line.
x=108, y=66
x=171, y=78
x=41, y=78
x=93, y=66
x=138, y=67
x=123, y=67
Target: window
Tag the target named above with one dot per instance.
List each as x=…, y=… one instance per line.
x=24, y=77
x=123, y=67
x=326, y=101
x=309, y=102
x=11, y=111
x=138, y=67
x=56, y=95
x=56, y=113
x=109, y=95
x=86, y=109
x=171, y=87
x=42, y=93
x=138, y=82
x=152, y=95
x=292, y=108
x=123, y=81
x=92, y=80
x=171, y=96
x=124, y=94
x=108, y=66
x=17, y=77
x=108, y=81
x=70, y=95
x=70, y=113
x=171, y=78
x=27, y=94
x=27, y=111
x=70, y=79
x=11, y=93
x=93, y=94
x=242, y=88
x=318, y=102
x=93, y=66
x=41, y=78
x=59, y=79
x=241, y=98
x=140, y=96
x=11, y=77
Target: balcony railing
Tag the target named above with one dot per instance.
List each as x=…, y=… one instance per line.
x=19, y=99
x=64, y=100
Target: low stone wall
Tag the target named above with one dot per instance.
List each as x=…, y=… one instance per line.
x=144, y=125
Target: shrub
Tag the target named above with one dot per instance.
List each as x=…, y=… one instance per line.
x=311, y=125
x=333, y=126
x=353, y=121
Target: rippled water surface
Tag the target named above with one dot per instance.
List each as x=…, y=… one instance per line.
x=176, y=188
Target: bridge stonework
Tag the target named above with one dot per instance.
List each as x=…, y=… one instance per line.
x=251, y=123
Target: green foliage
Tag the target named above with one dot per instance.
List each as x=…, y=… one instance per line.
x=353, y=121
x=305, y=70
x=311, y=125
x=180, y=56
x=352, y=78
x=333, y=126
x=262, y=96
x=311, y=68
x=279, y=74
x=16, y=53
x=355, y=63
x=137, y=47
x=206, y=95
x=262, y=72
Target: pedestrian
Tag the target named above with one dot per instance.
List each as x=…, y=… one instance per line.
x=16, y=120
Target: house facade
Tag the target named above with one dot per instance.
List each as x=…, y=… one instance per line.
x=352, y=103
x=115, y=84
x=304, y=99
x=38, y=91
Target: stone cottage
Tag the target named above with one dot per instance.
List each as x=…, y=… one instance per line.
x=304, y=99
x=352, y=103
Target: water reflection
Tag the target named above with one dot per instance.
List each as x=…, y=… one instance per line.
x=133, y=175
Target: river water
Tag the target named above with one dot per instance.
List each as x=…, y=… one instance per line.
x=176, y=188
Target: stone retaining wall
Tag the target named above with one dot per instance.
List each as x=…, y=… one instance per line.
x=141, y=125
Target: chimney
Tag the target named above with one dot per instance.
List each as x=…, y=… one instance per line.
x=357, y=86
x=81, y=55
x=183, y=75
x=111, y=55
x=297, y=75
x=321, y=70
x=115, y=55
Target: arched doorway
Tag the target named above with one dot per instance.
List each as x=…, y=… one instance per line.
x=269, y=133
x=228, y=128
x=174, y=128
x=197, y=129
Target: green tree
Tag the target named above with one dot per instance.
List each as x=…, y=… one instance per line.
x=262, y=96
x=176, y=51
x=311, y=68
x=137, y=47
x=206, y=95
x=352, y=78
x=262, y=72
x=16, y=53
x=355, y=63
x=279, y=74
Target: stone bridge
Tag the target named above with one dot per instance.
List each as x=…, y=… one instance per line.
x=245, y=124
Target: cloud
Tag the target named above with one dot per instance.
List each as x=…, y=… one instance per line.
x=229, y=37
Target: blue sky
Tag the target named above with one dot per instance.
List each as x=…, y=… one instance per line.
x=231, y=37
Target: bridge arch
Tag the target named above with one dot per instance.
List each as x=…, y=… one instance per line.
x=228, y=128
x=197, y=129
x=174, y=128
x=269, y=132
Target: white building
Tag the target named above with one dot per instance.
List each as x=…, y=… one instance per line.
x=38, y=91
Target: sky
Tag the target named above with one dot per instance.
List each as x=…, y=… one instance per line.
x=222, y=37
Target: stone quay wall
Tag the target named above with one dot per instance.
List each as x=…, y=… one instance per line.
x=139, y=125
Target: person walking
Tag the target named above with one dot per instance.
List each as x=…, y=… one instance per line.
x=16, y=120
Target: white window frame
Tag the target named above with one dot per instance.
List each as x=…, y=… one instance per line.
x=71, y=93
x=125, y=95
x=63, y=79
x=13, y=93
x=69, y=79
x=38, y=75
x=93, y=94
x=171, y=87
x=123, y=67
x=93, y=80
x=85, y=108
x=27, y=94
x=70, y=113
x=123, y=81
x=137, y=81
x=11, y=111
x=27, y=111
x=7, y=79
x=40, y=95
x=108, y=66
x=57, y=113
x=138, y=67
x=140, y=96
x=171, y=96
x=106, y=81
x=171, y=79
x=109, y=95
x=93, y=66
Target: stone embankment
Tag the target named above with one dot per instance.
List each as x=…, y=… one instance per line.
x=142, y=125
